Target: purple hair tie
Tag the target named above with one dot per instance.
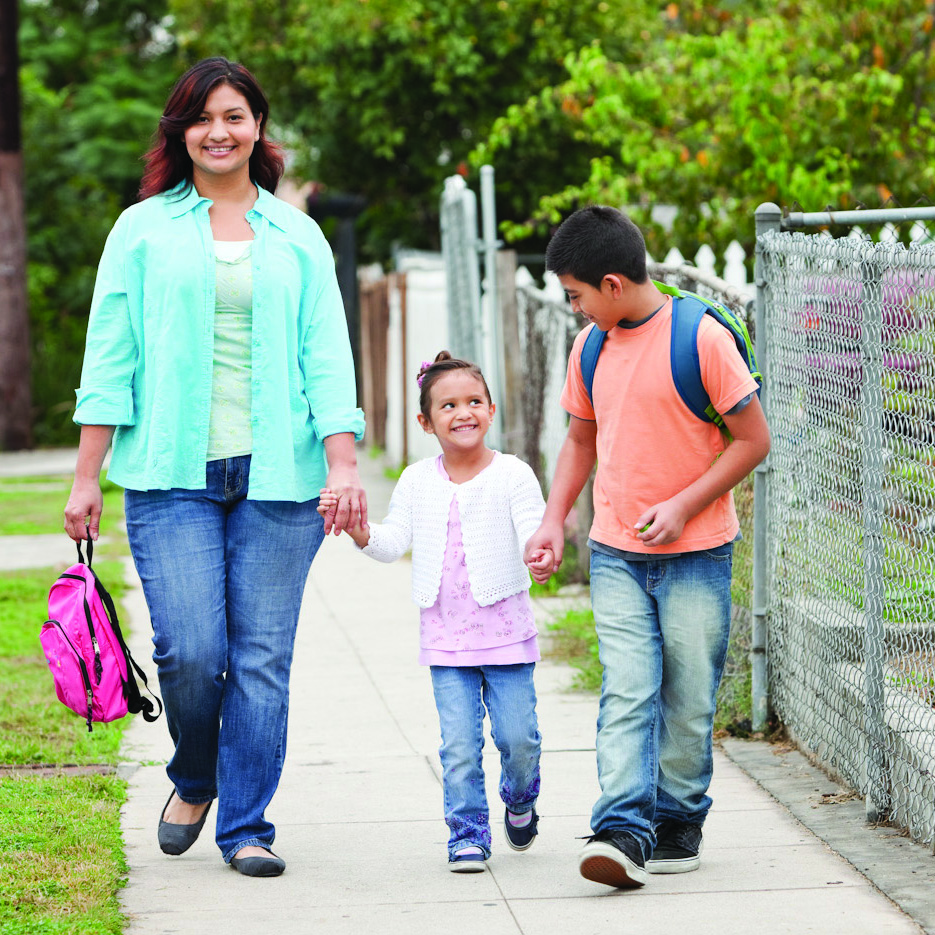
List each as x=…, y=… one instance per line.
x=425, y=366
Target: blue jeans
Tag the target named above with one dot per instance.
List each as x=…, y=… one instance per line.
x=662, y=629
x=510, y=696
x=223, y=577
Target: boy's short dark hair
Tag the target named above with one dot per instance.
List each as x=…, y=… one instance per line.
x=594, y=242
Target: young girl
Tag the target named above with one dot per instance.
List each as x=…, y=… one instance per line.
x=466, y=515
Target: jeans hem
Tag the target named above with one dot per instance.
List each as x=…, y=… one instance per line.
x=526, y=808
x=250, y=842
x=196, y=801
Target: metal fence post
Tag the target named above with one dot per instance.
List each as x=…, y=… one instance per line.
x=871, y=483
x=768, y=218
x=491, y=330
x=459, y=248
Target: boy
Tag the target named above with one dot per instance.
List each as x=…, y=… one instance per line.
x=661, y=545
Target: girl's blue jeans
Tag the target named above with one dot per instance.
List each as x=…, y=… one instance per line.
x=662, y=629
x=223, y=577
x=461, y=693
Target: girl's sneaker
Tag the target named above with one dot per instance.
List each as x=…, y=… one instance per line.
x=468, y=860
x=520, y=839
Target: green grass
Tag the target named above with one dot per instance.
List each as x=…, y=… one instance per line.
x=62, y=861
x=34, y=726
x=34, y=505
x=61, y=853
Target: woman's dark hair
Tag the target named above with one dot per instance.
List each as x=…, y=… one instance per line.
x=168, y=162
x=595, y=242
x=430, y=372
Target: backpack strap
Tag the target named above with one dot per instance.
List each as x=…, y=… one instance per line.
x=687, y=312
x=136, y=703
x=589, y=354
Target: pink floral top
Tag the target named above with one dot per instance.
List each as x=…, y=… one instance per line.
x=457, y=631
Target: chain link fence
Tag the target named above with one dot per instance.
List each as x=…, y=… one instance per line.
x=848, y=586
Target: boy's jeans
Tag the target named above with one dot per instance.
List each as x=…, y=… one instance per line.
x=510, y=697
x=662, y=629
x=223, y=577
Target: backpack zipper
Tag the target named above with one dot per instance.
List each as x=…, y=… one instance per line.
x=84, y=670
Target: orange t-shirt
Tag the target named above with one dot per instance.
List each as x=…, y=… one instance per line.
x=649, y=444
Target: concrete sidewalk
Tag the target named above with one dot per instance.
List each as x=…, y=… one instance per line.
x=359, y=809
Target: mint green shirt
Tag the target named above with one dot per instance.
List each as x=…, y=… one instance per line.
x=229, y=434
x=149, y=355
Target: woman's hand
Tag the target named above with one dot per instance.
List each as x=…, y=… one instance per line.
x=84, y=507
x=349, y=509
x=344, y=483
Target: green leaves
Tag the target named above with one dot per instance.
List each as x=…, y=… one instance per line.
x=93, y=81
x=750, y=106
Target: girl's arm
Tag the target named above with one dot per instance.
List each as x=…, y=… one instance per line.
x=391, y=539
x=526, y=508
x=526, y=503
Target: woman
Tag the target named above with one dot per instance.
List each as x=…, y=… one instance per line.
x=218, y=362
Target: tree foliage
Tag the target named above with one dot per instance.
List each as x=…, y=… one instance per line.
x=93, y=81
x=803, y=102
x=385, y=98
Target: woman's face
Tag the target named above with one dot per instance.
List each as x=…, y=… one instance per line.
x=221, y=140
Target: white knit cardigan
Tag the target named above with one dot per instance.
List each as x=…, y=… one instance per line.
x=500, y=509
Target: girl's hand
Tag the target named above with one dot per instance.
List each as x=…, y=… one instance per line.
x=541, y=564
x=327, y=504
x=549, y=537
x=84, y=507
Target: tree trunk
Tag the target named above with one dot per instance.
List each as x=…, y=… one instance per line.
x=15, y=394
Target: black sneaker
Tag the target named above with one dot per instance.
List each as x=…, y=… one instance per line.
x=520, y=838
x=613, y=857
x=678, y=848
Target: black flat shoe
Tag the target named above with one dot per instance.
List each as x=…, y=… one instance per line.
x=271, y=866
x=177, y=839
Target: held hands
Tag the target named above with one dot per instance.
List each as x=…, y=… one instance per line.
x=328, y=506
x=541, y=564
x=350, y=507
x=543, y=552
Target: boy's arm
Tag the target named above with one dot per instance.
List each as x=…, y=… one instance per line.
x=572, y=470
x=749, y=447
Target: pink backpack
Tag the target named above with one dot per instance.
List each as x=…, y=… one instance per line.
x=90, y=663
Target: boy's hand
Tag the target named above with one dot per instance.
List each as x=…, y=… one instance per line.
x=546, y=537
x=541, y=564
x=662, y=523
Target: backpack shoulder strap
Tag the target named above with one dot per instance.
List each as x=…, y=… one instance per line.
x=589, y=354
x=687, y=312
